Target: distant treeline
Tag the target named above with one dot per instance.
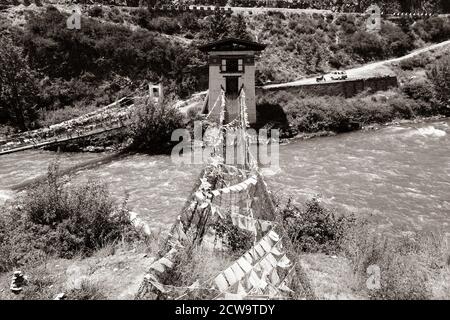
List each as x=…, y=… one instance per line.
x=387, y=6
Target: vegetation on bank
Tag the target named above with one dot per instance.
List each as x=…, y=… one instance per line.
x=72, y=220
x=413, y=265
x=56, y=218
x=117, y=51
x=152, y=127
x=417, y=97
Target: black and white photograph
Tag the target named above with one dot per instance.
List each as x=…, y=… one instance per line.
x=224, y=157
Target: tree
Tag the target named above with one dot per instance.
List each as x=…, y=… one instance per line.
x=19, y=97
x=219, y=25
x=239, y=28
x=440, y=77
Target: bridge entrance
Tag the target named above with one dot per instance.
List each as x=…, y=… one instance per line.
x=231, y=69
x=232, y=87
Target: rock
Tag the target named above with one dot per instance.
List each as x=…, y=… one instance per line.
x=19, y=280
x=60, y=296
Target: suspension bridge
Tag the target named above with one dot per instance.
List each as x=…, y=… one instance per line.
x=235, y=192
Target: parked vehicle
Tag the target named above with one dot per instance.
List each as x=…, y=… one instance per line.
x=321, y=78
x=338, y=75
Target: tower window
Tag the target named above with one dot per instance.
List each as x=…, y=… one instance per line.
x=232, y=65
x=224, y=65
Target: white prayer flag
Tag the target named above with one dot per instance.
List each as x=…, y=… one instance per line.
x=272, y=260
x=274, y=236
x=229, y=275
x=157, y=266
x=199, y=195
x=244, y=264
x=254, y=280
x=259, y=249
x=265, y=244
x=234, y=188
x=221, y=282
x=241, y=289
x=284, y=262
x=277, y=249
x=248, y=258
x=274, y=278
x=237, y=271
x=166, y=262
x=284, y=287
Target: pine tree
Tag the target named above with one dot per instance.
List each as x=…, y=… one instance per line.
x=219, y=25
x=239, y=28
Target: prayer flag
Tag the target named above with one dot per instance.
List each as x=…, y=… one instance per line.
x=221, y=282
x=284, y=262
x=244, y=264
x=229, y=275
x=237, y=271
x=166, y=262
x=157, y=266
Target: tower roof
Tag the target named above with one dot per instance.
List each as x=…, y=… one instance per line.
x=232, y=44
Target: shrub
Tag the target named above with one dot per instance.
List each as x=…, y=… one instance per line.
x=152, y=126
x=96, y=12
x=164, y=25
x=439, y=75
x=434, y=29
x=367, y=45
x=419, y=90
x=397, y=43
x=419, y=61
x=56, y=218
x=19, y=99
x=315, y=228
x=236, y=239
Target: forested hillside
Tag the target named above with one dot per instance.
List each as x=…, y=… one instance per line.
x=117, y=50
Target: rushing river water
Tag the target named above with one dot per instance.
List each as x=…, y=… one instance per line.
x=400, y=175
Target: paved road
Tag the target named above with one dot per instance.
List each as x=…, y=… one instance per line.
x=379, y=68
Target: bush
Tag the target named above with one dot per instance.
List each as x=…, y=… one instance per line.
x=56, y=218
x=96, y=12
x=367, y=45
x=164, y=25
x=419, y=61
x=435, y=29
x=315, y=228
x=152, y=127
x=419, y=90
x=316, y=114
x=19, y=99
x=439, y=75
x=397, y=43
x=236, y=239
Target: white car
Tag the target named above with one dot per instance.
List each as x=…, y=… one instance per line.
x=338, y=75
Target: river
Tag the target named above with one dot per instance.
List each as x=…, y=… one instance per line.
x=398, y=175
